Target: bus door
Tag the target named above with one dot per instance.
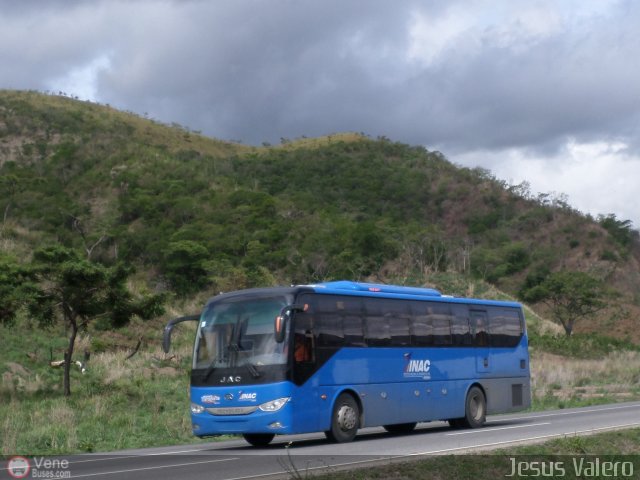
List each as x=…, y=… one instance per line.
x=479, y=323
x=307, y=403
x=304, y=351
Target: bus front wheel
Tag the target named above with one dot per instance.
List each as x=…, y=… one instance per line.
x=345, y=419
x=259, y=439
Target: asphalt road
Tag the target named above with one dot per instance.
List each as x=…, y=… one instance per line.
x=235, y=460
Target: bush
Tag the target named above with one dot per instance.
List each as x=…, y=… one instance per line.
x=580, y=345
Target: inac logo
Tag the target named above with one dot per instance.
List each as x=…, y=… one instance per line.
x=417, y=367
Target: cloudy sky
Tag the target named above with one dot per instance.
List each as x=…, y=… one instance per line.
x=543, y=91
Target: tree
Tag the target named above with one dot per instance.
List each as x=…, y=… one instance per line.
x=80, y=291
x=15, y=287
x=185, y=265
x=570, y=296
x=621, y=230
x=427, y=249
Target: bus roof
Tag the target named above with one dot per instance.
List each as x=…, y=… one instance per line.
x=377, y=288
x=344, y=287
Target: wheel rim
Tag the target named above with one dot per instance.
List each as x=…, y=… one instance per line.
x=476, y=407
x=347, y=418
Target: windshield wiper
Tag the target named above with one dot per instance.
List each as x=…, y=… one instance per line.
x=253, y=370
x=250, y=366
x=210, y=369
x=255, y=373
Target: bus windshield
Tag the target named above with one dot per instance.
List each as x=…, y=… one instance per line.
x=239, y=332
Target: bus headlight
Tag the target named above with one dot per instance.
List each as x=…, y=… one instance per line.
x=274, y=405
x=195, y=408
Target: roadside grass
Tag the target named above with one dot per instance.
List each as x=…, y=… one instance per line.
x=562, y=382
x=118, y=403
x=569, y=453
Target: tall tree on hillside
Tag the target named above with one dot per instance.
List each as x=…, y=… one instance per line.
x=570, y=296
x=79, y=291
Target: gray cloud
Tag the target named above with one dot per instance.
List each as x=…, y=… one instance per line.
x=262, y=70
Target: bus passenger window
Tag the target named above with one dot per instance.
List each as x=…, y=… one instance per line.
x=387, y=323
x=505, y=326
x=460, y=326
x=378, y=332
x=480, y=329
x=439, y=316
x=421, y=326
x=329, y=330
x=441, y=329
x=353, y=331
x=399, y=330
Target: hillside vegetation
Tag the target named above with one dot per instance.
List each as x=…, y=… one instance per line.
x=198, y=215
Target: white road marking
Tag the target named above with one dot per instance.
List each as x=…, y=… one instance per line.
x=136, y=455
x=521, y=440
x=150, y=468
x=489, y=429
x=576, y=412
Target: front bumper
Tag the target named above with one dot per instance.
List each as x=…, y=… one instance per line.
x=236, y=410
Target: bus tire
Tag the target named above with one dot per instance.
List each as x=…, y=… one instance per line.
x=259, y=439
x=475, y=409
x=345, y=419
x=400, y=428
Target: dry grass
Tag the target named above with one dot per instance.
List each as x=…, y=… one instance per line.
x=317, y=142
x=614, y=376
x=11, y=429
x=62, y=415
x=540, y=324
x=114, y=365
x=18, y=380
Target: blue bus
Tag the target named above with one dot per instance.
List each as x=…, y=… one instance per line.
x=339, y=356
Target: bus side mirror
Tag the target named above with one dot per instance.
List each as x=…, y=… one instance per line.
x=166, y=336
x=280, y=328
x=280, y=324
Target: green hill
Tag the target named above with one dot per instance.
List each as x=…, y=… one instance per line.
x=198, y=215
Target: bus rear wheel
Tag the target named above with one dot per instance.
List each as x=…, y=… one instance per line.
x=345, y=419
x=400, y=428
x=475, y=410
x=259, y=439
